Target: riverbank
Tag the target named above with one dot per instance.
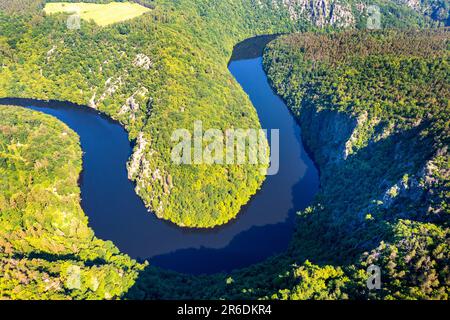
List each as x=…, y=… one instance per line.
x=116, y=213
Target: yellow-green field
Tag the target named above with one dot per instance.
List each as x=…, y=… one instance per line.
x=101, y=14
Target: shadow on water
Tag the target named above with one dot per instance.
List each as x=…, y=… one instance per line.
x=264, y=226
x=296, y=171
x=251, y=48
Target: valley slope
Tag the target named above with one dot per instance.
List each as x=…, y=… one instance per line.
x=162, y=72
x=382, y=152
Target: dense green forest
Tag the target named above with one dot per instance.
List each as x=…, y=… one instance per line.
x=47, y=250
x=374, y=110
x=182, y=81
x=157, y=73
x=384, y=171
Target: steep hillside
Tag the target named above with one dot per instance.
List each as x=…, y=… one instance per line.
x=102, y=14
x=382, y=152
x=375, y=112
x=47, y=250
x=435, y=9
x=158, y=73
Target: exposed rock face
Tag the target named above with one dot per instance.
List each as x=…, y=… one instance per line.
x=142, y=61
x=360, y=122
x=51, y=52
x=92, y=103
x=407, y=187
x=320, y=13
x=331, y=136
x=136, y=162
x=435, y=9
x=414, y=4
x=420, y=190
x=341, y=15
x=131, y=106
x=327, y=132
x=434, y=181
x=111, y=86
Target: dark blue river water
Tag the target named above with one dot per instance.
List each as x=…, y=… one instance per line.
x=264, y=226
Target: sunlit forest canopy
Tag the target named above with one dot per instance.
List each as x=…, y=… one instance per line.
x=101, y=14
x=374, y=111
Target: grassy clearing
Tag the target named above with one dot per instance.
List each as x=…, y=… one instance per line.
x=101, y=14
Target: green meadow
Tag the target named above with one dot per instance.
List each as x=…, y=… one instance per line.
x=101, y=14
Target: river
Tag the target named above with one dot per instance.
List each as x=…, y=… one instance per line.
x=264, y=226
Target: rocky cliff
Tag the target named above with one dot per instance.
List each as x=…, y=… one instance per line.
x=435, y=9
x=320, y=13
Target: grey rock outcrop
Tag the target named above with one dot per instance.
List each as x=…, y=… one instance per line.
x=142, y=61
x=320, y=13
